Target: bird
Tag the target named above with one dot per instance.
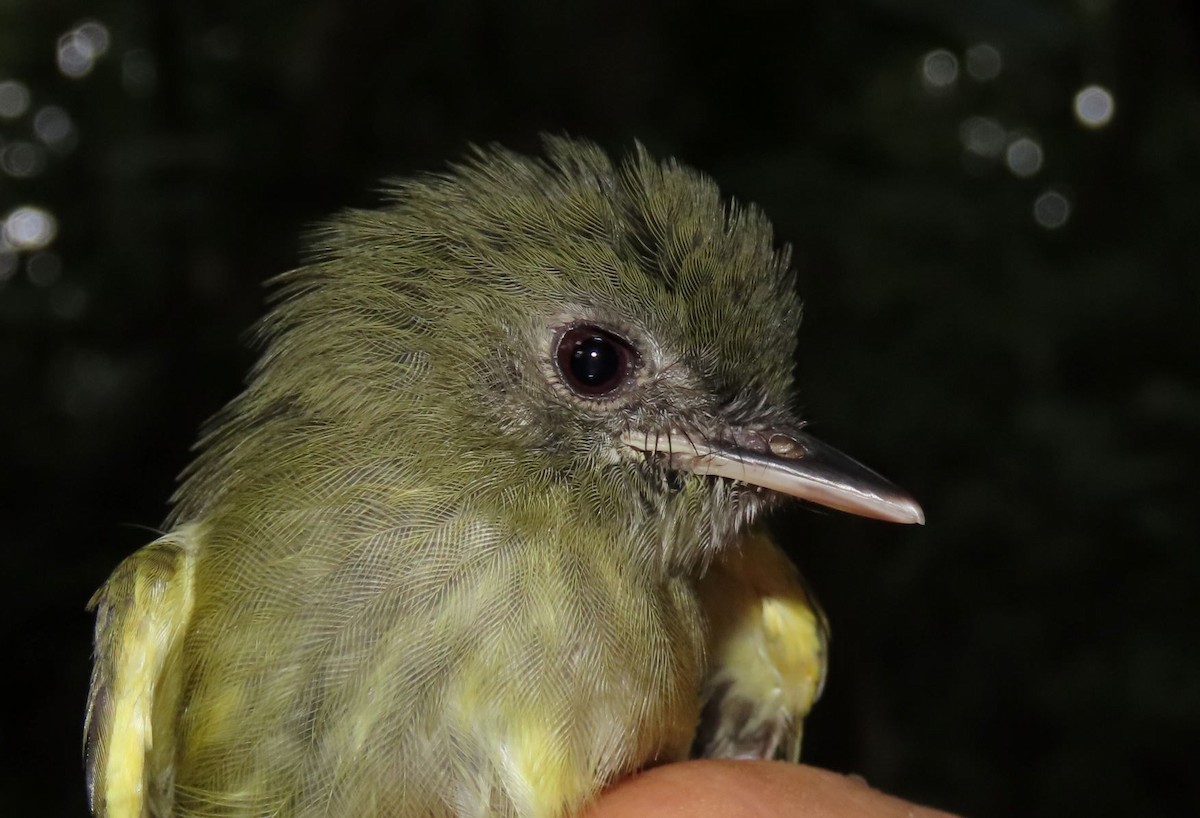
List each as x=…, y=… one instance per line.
x=485, y=531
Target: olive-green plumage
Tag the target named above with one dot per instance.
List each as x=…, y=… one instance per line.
x=415, y=570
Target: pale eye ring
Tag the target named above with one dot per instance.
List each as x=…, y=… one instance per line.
x=593, y=362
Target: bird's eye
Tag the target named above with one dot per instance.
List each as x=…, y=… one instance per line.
x=592, y=362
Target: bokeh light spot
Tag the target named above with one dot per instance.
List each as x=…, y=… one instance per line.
x=43, y=269
x=96, y=35
x=22, y=159
x=939, y=69
x=53, y=126
x=982, y=136
x=1094, y=106
x=1051, y=210
x=80, y=48
x=29, y=228
x=14, y=99
x=984, y=62
x=139, y=74
x=1023, y=157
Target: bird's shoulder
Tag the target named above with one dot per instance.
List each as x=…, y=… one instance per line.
x=142, y=612
x=768, y=643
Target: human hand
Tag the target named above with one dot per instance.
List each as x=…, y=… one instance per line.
x=750, y=789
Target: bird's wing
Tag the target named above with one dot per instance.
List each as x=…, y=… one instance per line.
x=141, y=616
x=767, y=653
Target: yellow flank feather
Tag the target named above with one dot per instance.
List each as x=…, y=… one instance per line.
x=142, y=613
x=767, y=644
x=541, y=774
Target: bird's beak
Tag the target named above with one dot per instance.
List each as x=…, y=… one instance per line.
x=792, y=463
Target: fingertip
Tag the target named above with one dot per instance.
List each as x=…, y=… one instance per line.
x=749, y=789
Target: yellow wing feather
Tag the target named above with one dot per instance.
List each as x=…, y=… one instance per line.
x=767, y=653
x=142, y=614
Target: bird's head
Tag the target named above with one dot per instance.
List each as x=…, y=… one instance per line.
x=612, y=334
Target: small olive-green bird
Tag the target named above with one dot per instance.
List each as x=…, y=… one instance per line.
x=479, y=537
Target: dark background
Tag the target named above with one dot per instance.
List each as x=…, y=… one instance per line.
x=1032, y=651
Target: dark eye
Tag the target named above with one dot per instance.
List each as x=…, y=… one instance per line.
x=592, y=362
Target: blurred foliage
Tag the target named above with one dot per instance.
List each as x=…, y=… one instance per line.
x=1033, y=649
